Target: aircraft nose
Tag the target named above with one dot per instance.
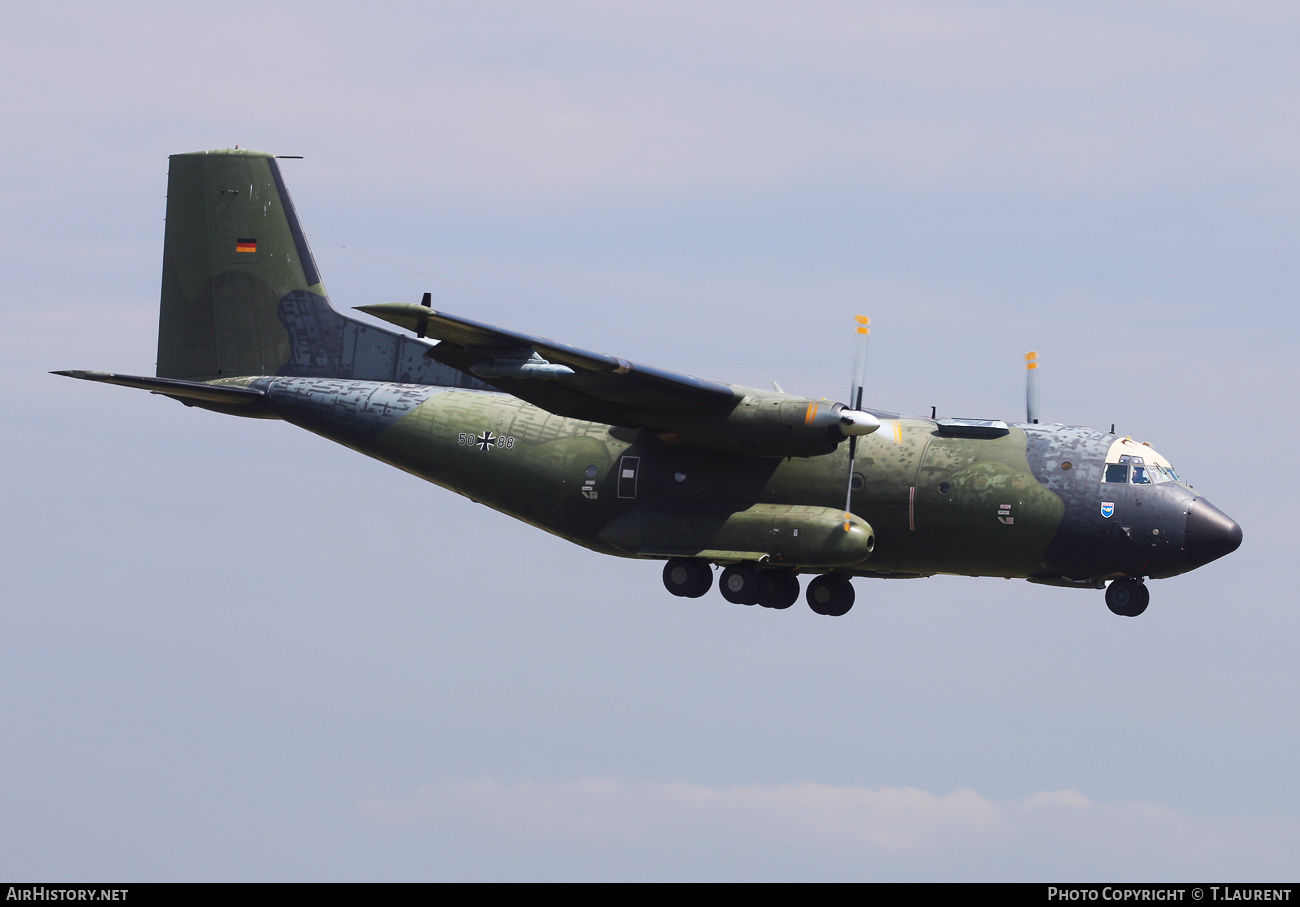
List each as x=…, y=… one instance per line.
x=1211, y=533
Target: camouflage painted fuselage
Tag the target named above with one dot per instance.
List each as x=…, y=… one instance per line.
x=1026, y=504
x=632, y=460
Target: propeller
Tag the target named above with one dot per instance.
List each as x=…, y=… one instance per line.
x=854, y=422
x=427, y=302
x=1031, y=387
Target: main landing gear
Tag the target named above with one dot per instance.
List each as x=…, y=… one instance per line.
x=1127, y=597
x=687, y=578
x=831, y=594
x=745, y=584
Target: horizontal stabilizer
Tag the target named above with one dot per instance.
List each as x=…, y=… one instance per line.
x=228, y=394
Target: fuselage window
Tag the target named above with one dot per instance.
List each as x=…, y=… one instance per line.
x=1117, y=473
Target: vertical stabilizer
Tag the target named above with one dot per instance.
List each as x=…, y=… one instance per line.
x=241, y=294
x=233, y=250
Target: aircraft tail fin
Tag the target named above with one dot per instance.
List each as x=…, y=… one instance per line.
x=241, y=294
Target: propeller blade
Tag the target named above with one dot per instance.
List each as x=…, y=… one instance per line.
x=854, y=422
x=427, y=302
x=860, y=362
x=1031, y=387
x=848, y=496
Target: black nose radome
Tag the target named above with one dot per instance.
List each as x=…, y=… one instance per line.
x=1211, y=533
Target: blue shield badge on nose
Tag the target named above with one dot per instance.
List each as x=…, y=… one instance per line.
x=1108, y=509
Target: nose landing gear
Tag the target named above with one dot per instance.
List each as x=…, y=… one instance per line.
x=1127, y=597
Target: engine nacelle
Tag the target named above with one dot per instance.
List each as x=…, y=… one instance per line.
x=760, y=425
x=786, y=535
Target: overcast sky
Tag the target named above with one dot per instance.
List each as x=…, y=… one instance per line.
x=232, y=650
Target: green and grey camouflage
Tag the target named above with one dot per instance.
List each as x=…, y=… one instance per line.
x=634, y=461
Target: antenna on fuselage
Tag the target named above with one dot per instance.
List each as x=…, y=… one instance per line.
x=1031, y=387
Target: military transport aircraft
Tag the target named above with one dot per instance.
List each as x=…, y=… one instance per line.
x=635, y=461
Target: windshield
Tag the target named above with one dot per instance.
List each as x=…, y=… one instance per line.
x=1129, y=462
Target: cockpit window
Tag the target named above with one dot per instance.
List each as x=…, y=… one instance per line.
x=1133, y=470
x=1130, y=462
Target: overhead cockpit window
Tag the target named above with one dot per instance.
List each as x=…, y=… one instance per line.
x=1117, y=473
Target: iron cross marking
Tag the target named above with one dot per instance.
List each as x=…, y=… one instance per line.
x=486, y=440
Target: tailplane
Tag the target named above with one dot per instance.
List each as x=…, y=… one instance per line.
x=241, y=294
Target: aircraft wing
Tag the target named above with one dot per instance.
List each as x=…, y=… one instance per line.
x=555, y=376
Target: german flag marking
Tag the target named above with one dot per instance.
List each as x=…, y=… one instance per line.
x=245, y=245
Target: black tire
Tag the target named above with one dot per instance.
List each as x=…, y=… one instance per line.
x=687, y=578
x=1143, y=599
x=739, y=584
x=831, y=594
x=778, y=589
x=1127, y=597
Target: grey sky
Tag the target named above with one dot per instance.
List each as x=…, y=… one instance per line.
x=231, y=650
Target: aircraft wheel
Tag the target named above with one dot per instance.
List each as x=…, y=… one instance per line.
x=778, y=589
x=687, y=577
x=831, y=594
x=1127, y=597
x=739, y=584
x=1144, y=599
